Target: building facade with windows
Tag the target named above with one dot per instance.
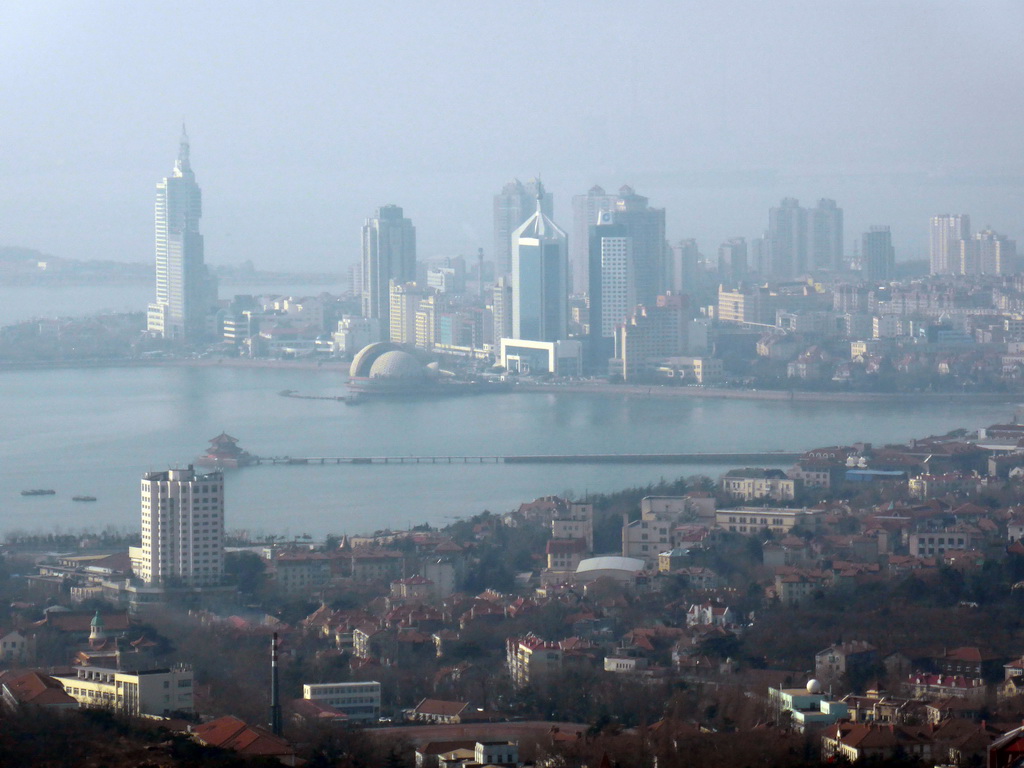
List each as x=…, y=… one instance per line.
x=359, y=701
x=146, y=692
x=182, y=529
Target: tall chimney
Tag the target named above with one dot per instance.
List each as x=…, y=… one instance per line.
x=275, y=693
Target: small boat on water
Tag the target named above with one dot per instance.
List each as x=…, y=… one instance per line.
x=83, y=498
x=39, y=492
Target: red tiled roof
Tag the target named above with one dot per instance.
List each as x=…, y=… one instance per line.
x=232, y=733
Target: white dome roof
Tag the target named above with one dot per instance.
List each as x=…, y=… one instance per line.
x=397, y=365
x=814, y=686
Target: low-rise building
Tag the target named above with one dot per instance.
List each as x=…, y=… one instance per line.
x=359, y=701
x=755, y=483
x=145, y=692
x=779, y=521
x=841, y=659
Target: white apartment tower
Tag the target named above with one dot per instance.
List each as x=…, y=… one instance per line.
x=945, y=233
x=185, y=291
x=182, y=529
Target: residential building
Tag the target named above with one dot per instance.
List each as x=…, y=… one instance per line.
x=530, y=659
x=388, y=254
x=852, y=742
x=13, y=647
x=144, y=692
x=186, y=293
x=359, y=701
x=996, y=254
x=877, y=256
x=540, y=308
x=182, y=529
x=753, y=483
x=645, y=539
x=778, y=521
x=945, y=234
x=649, y=335
x=565, y=554
x=512, y=206
x=576, y=523
x=411, y=321
x=850, y=658
x=825, y=237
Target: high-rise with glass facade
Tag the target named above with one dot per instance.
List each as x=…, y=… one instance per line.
x=186, y=293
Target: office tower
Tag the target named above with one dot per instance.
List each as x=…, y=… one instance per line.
x=685, y=256
x=825, y=237
x=501, y=310
x=585, y=210
x=732, y=261
x=540, y=265
x=389, y=254
x=182, y=529
x=612, y=288
x=878, y=259
x=944, y=236
x=996, y=254
x=185, y=291
x=646, y=228
x=787, y=239
x=512, y=206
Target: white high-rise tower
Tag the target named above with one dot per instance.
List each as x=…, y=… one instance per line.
x=182, y=529
x=185, y=291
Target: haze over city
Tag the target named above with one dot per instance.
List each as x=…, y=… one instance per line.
x=304, y=118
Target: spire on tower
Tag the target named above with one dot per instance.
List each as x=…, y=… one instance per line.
x=181, y=165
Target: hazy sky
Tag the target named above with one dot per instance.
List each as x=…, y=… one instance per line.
x=305, y=116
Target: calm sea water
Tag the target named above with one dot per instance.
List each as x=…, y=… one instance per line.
x=95, y=431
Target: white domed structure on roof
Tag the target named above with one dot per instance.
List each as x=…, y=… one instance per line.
x=814, y=686
x=397, y=364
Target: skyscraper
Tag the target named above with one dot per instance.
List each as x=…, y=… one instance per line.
x=787, y=239
x=389, y=253
x=585, y=209
x=944, y=236
x=878, y=259
x=732, y=261
x=185, y=291
x=612, y=287
x=801, y=240
x=646, y=228
x=540, y=265
x=182, y=529
x=512, y=206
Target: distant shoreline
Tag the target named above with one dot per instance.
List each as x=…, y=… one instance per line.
x=621, y=390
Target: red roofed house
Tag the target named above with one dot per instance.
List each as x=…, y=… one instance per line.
x=33, y=689
x=253, y=740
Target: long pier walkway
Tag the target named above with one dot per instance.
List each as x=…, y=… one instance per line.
x=734, y=459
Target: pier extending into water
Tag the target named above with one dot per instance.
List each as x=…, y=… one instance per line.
x=734, y=459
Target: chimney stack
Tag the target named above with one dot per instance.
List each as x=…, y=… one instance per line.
x=275, y=693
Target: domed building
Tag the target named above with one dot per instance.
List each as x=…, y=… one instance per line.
x=387, y=368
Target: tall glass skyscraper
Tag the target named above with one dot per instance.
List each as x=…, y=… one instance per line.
x=540, y=279
x=186, y=293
